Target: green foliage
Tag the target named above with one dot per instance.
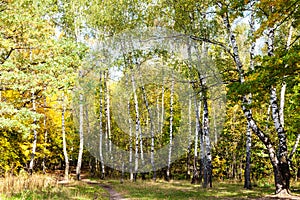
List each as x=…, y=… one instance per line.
x=43, y=45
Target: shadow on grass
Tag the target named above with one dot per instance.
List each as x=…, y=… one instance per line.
x=184, y=190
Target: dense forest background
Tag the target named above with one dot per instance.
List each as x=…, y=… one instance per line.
x=48, y=71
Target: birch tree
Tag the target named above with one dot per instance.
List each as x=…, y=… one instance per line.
x=101, y=126
x=138, y=131
x=278, y=161
x=247, y=183
x=151, y=119
x=64, y=137
x=34, y=143
x=130, y=133
x=79, y=161
x=171, y=127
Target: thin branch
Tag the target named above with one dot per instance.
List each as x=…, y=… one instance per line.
x=7, y=56
x=298, y=36
x=10, y=52
x=213, y=42
x=294, y=147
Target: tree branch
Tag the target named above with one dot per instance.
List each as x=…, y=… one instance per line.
x=294, y=147
x=212, y=42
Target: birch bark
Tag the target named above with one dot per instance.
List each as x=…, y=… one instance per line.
x=64, y=138
x=101, y=127
x=79, y=161
x=31, y=164
x=171, y=128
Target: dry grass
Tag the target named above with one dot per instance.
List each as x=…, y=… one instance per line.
x=11, y=185
x=40, y=186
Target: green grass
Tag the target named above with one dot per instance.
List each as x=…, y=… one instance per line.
x=184, y=190
x=74, y=190
x=36, y=187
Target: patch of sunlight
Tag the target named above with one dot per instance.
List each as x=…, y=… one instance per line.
x=226, y=193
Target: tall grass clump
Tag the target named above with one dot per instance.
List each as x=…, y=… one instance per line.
x=15, y=184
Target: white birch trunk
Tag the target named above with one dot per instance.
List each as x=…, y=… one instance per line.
x=294, y=147
x=130, y=133
x=162, y=108
x=157, y=125
x=283, y=86
x=151, y=120
x=31, y=164
x=171, y=128
x=64, y=138
x=207, y=162
x=188, y=175
x=247, y=183
x=80, y=152
x=45, y=137
x=137, y=129
x=281, y=170
x=195, y=178
x=101, y=127
x=107, y=99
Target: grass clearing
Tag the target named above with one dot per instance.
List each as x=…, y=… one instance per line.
x=45, y=187
x=184, y=190
x=31, y=188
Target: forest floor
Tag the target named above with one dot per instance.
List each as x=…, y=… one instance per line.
x=142, y=190
x=113, y=194
x=91, y=188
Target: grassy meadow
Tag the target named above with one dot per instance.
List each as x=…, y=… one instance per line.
x=47, y=187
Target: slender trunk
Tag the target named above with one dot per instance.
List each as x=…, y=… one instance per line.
x=157, y=125
x=202, y=149
x=282, y=179
x=162, y=108
x=137, y=129
x=195, y=178
x=64, y=138
x=31, y=164
x=171, y=128
x=79, y=161
x=282, y=99
x=283, y=86
x=188, y=173
x=130, y=133
x=208, y=158
x=292, y=154
x=122, y=173
x=294, y=147
x=107, y=99
x=45, y=137
x=101, y=128
x=151, y=120
x=207, y=164
x=247, y=184
x=215, y=125
x=268, y=118
x=282, y=168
